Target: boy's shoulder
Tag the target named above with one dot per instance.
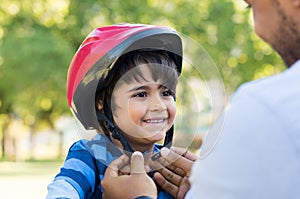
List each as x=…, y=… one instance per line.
x=98, y=149
x=78, y=146
x=83, y=144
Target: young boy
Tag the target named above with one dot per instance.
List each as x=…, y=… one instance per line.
x=122, y=83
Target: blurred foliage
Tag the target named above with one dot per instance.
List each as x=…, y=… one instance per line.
x=39, y=37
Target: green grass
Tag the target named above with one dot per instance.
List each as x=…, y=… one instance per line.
x=29, y=168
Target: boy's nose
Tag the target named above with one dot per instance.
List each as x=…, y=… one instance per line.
x=158, y=107
x=157, y=104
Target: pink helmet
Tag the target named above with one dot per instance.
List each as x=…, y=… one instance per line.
x=96, y=57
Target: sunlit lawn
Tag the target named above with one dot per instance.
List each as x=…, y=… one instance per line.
x=26, y=180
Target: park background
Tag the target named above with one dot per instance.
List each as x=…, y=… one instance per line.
x=37, y=41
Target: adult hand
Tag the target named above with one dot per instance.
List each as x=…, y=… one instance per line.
x=136, y=184
x=174, y=176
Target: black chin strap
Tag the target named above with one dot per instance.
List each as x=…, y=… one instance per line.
x=116, y=133
x=167, y=143
x=169, y=138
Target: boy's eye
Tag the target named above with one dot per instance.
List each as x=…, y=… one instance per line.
x=168, y=93
x=141, y=94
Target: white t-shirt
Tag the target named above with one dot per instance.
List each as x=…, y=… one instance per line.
x=258, y=151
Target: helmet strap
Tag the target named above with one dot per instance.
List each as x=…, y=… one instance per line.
x=169, y=138
x=116, y=133
x=167, y=143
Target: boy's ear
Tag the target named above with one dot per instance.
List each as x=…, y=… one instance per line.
x=99, y=105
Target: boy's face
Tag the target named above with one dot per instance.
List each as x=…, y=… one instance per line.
x=143, y=109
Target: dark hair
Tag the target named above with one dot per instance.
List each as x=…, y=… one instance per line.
x=161, y=66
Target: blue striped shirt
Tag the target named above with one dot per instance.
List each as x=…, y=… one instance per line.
x=84, y=168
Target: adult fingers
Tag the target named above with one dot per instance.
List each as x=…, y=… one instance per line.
x=171, y=176
x=185, y=153
x=177, y=160
x=166, y=185
x=177, y=170
x=183, y=188
x=114, y=167
x=137, y=163
x=165, y=164
x=125, y=170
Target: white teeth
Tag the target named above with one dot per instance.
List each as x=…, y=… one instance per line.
x=155, y=121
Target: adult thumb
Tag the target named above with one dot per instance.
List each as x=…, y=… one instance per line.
x=137, y=163
x=176, y=159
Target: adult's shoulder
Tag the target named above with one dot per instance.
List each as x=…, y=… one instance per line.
x=273, y=90
x=278, y=94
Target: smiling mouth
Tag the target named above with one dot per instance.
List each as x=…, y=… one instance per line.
x=154, y=120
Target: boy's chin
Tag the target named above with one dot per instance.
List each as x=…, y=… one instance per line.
x=157, y=137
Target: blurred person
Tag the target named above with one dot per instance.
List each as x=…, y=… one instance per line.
x=257, y=153
x=122, y=83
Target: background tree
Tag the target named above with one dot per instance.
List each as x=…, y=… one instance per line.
x=39, y=37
